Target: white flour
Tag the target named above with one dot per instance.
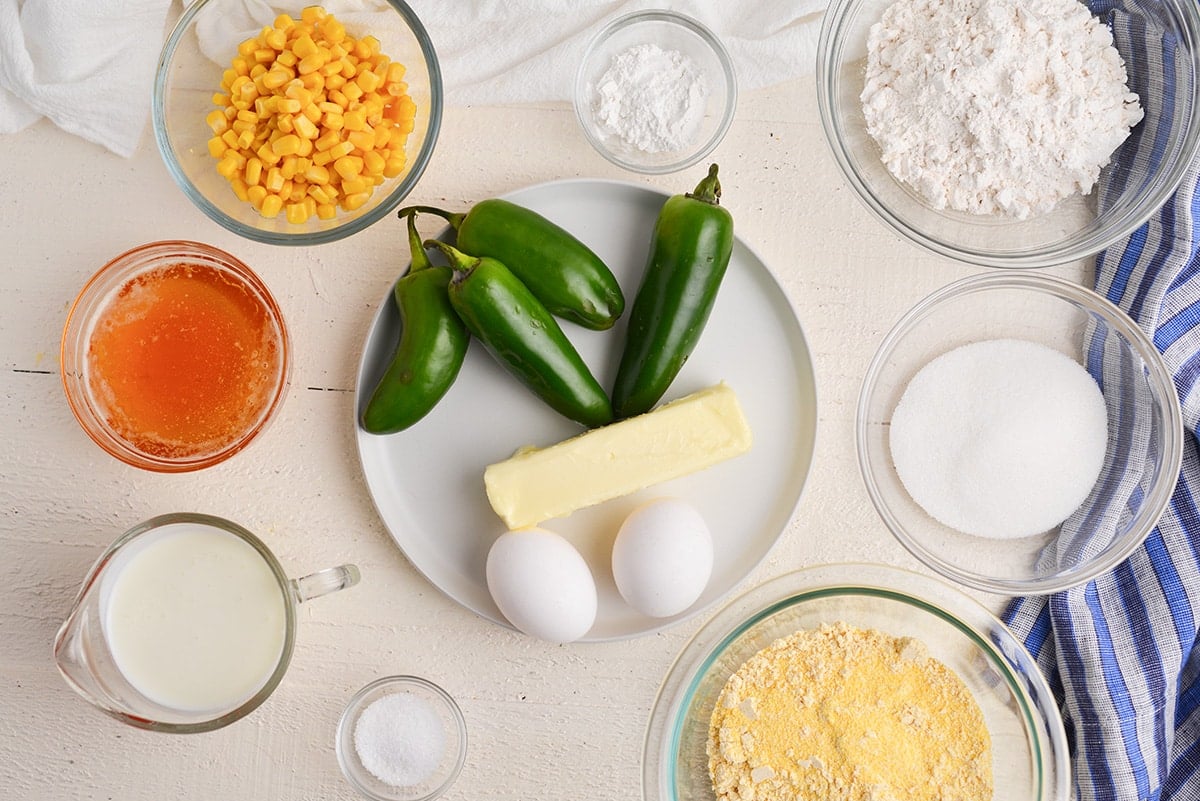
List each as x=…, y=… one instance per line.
x=652, y=99
x=1005, y=106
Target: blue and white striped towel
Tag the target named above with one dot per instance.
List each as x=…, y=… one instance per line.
x=1121, y=652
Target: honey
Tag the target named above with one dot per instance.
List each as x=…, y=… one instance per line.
x=184, y=360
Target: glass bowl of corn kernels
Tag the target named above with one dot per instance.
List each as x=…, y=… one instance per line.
x=291, y=123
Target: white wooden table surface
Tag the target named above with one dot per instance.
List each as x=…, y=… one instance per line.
x=545, y=721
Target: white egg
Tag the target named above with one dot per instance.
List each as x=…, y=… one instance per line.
x=662, y=557
x=542, y=584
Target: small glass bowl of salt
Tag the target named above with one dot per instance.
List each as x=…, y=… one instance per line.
x=655, y=92
x=401, y=738
x=1019, y=433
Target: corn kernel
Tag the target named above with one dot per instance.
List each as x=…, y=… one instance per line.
x=287, y=167
x=271, y=205
x=217, y=147
x=341, y=149
x=394, y=166
x=356, y=119
x=276, y=78
x=274, y=182
x=356, y=185
x=304, y=46
x=355, y=201
x=216, y=120
x=253, y=171
x=326, y=211
x=367, y=81
x=374, y=163
x=316, y=174
x=227, y=167
x=348, y=166
x=255, y=195
x=297, y=213
x=305, y=128
x=363, y=140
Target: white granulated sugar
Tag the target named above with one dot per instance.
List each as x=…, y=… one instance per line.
x=652, y=99
x=997, y=107
x=1000, y=438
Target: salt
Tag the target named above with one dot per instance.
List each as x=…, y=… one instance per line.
x=1001, y=438
x=400, y=739
x=651, y=98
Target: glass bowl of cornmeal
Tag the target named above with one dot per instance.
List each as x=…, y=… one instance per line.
x=175, y=356
x=1018, y=433
x=855, y=681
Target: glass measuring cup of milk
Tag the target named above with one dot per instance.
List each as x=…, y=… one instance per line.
x=185, y=624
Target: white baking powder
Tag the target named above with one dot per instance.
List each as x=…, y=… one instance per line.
x=651, y=99
x=996, y=106
x=1000, y=438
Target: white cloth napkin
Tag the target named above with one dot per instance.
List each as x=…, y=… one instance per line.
x=87, y=65
x=518, y=51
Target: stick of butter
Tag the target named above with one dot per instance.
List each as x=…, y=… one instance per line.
x=676, y=439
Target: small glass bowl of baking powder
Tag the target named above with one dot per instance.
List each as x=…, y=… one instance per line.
x=655, y=92
x=401, y=738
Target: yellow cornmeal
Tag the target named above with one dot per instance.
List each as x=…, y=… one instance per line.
x=839, y=713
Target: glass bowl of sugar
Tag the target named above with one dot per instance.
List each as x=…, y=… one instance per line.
x=655, y=92
x=401, y=738
x=1018, y=433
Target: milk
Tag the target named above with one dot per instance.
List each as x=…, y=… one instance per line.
x=195, y=618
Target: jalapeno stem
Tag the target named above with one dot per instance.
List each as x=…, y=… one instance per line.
x=455, y=219
x=459, y=261
x=709, y=188
x=420, y=259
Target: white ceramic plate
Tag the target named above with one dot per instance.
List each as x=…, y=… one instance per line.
x=427, y=481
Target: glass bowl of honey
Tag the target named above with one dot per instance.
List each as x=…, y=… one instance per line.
x=175, y=356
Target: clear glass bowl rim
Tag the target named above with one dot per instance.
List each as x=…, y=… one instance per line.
x=1160, y=376
x=927, y=594
x=829, y=48
x=675, y=18
x=384, y=208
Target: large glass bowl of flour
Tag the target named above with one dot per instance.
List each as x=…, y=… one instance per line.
x=1029, y=756
x=1159, y=44
x=1005, y=444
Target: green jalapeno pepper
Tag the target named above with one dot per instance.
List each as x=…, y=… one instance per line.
x=689, y=253
x=569, y=279
x=514, y=326
x=433, y=342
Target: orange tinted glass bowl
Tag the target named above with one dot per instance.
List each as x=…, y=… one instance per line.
x=175, y=356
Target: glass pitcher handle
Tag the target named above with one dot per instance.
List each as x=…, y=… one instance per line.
x=324, y=582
